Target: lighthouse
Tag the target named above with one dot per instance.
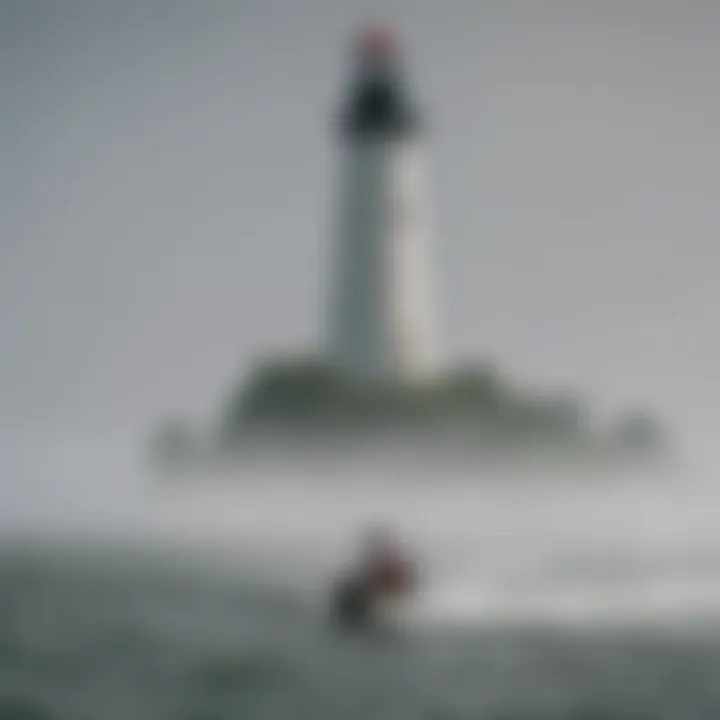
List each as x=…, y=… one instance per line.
x=381, y=310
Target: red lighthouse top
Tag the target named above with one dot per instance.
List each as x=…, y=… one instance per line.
x=378, y=100
x=377, y=41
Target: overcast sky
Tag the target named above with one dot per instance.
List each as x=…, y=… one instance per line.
x=166, y=195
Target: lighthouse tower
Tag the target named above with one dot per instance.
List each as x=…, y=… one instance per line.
x=381, y=310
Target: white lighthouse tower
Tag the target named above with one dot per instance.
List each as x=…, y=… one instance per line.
x=381, y=311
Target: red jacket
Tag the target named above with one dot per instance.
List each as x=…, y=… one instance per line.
x=390, y=575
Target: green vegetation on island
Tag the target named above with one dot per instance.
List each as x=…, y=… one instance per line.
x=474, y=403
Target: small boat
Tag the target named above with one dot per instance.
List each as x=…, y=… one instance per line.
x=373, y=592
x=352, y=605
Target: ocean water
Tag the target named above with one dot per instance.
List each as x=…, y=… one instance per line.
x=123, y=599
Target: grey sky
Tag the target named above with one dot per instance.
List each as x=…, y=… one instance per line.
x=166, y=195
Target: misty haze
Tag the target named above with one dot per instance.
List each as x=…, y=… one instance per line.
x=172, y=199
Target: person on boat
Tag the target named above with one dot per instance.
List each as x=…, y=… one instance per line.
x=384, y=573
x=386, y=570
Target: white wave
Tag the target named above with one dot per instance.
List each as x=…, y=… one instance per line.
x=662, y=601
